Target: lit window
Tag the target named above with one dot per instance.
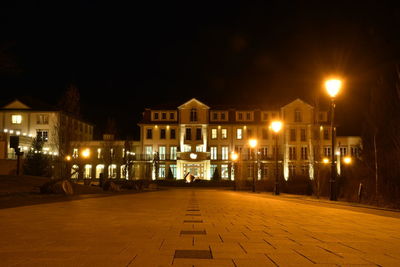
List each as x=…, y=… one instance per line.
x=99, y=156
x=173, y=170
x=16, y=119
x=75, y=153
x=224, y=153
x=162, y=152
x=224, y=133
x=239, y=133
x=173, y=152
x=213, y=151
x=161, y=171
x=112, y=171
x=214, y=134
x=87, y=174
x=224, y=171
x=148, y=150
x=42, y=135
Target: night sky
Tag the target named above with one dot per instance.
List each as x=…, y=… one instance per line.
x=126, y=58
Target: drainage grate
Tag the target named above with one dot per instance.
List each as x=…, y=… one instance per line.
x=193, y=221
x=203, y=232
x=193, y=254
x=191, y=214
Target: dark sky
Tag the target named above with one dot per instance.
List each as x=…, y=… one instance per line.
x=124, y=58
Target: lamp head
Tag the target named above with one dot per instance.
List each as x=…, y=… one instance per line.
x=276, y=126
x=333, y=87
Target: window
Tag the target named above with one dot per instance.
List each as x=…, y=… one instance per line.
x=326, y=134
x=42, y=135
x=297, y=115
x=173, y=169
x=223, y=117
x=162, y=152
x=239, y=133
x=303, y=135
x=187, y=148
x=224, y=133
x=343, y=151
x=212, y=170
x=162, y=134
x=199, y=148
x=292, y=134
x=264, y=133
x=240, y=116
x=215, y=116
x=193, y=114
x=87, y=172
x=99, y=156
x=264, y=171
x=188, y=134
x=173, y=152
x=172, y=134
x=198, y=133
x=75, y=153
x=304, y=154
x=172, y=116
x=264, y=152
x=156, y=116
x=42, y=119
x=213, y=151
x=161, y=171
x=292, y=153
x=327, y=151
x=148, y=150
x=16, y=119
x=164, y=116
x=99, y=170
x=224, y=171
x=265, y=116
x=149, y=134
x=354, y=151
x=214, y=134
x=248, y=116
x=112, y=153
x=112, y=171
x=224, y=153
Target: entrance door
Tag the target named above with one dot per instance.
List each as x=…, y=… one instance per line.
x=197, y=170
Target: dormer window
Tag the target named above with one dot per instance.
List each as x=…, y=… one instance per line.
x=193, y=114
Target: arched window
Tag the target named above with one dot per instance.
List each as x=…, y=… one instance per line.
x=99, y=170
x=75, y=171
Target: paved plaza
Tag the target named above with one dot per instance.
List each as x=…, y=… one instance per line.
x=197, y=227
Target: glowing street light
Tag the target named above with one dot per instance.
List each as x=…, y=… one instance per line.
x=234, y=158
x=86, y=153
x=276, y=127
x=68, y=158
x=253, y=145
x=347, y=160
x=325, y=160
x=333, y=87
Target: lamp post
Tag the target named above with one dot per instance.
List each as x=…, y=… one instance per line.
x=234, y=157
x=276, y=127
x=333, y=86
x=253, y=145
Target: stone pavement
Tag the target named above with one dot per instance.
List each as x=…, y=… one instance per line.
x=196, y=227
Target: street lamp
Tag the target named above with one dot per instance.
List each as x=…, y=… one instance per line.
x=332, y=87
x=276, y=127
x=234, y=158
x=253, y=145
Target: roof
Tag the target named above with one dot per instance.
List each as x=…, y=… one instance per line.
x=27, y=102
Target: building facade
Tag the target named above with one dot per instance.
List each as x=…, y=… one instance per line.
x=199, y=140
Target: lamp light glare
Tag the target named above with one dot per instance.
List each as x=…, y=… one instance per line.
x=253, y=143
x=276, y=126
x=333, y=86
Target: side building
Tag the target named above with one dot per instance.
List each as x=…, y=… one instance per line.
x=28, y=119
